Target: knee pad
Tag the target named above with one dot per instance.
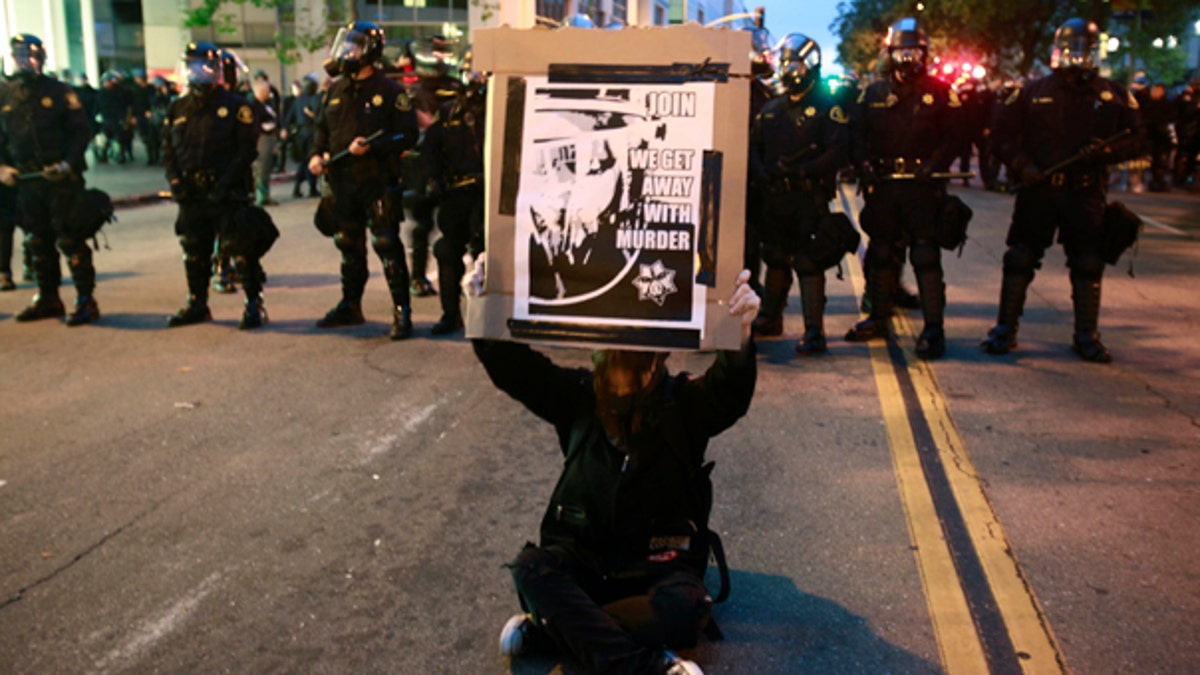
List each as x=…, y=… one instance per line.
x=1086, y=266
x=387, y=245
x=194, y=247
x=774, y=256
x=925, y=255
x=881, y=256
x=1022, y=259
x=348, y=240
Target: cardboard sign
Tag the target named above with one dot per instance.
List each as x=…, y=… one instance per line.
x=615, y=186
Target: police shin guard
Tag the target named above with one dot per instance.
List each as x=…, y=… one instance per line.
x=931, y=343
x=1085, y=295
x=86, y=309
x=881, y=287
x=812, y=299
x=777, y=285
x=396, y=272
x=44, y=260
x=195, y=310
x=1002, y=338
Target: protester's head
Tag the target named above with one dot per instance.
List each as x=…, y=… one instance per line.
x=262, y=90
x=623, y=377
x=1158, y=91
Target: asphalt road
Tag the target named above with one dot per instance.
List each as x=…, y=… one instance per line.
x=205, y=499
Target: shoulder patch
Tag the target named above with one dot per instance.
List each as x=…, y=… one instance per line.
x=1106, y=96
x=838, y=115
x=245, y=115
x=403, y=102
x=47, y=102
x=73, y=101
x=1133, y=104
x=1012, y=98
x=377, y=100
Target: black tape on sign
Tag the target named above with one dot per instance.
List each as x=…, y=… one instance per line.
x=514, y=131
x=676, y=73
x=709, y=227
x=667, y=338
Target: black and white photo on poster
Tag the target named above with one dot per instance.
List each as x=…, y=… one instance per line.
x=609, y=203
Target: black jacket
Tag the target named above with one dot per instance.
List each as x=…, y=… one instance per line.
x=917, y=120
x=42, y=123
x=215, y=132
x=628, y=514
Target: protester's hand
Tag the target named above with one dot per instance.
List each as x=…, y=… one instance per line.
x=472, y=284
x=359, y=146
x=56, y=172
x=8, y=175
x=744, y=303
x=1031, y=173
x=316, y=165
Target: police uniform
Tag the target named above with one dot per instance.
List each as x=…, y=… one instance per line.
x=43, y=123
x=358, y=108
x=1046, y=122
x=904, y=127
x=208, y=146
x=796, y=149
x=455, y=156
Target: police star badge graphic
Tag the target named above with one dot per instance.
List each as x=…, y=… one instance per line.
x=655, y=282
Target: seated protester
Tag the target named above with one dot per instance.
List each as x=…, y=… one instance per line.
x=617, y=580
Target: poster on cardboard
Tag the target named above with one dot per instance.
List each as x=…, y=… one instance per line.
x=609, y=206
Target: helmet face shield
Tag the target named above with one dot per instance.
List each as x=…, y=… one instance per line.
x=799, y=63
x=200, y=71
x=1076, y=45
x=29, y=59
x=357, y=46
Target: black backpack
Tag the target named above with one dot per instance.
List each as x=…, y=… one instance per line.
x=93, y=211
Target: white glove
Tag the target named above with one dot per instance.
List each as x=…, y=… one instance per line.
x=473, y=283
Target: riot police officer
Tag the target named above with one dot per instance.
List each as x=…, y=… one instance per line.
x=798, y=143
x=44, y=133
x=1061, y=116
x=904, y=129
x=454, y=150
x=361, y=103
x=208, y=145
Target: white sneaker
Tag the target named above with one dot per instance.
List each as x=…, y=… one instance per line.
x=680, y=666
x=514, y=637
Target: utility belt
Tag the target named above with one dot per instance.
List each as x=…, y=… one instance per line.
x=890, y=166
x=794, y=184
x=202, y=179
x=1075, y=180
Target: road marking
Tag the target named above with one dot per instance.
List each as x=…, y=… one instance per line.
x=985, y=615
x=154, y=630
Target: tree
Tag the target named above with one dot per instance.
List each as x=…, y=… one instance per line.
x=290, y=44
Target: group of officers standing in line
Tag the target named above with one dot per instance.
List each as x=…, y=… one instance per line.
x=1058, y=134
x=381, y=146
x=378, y=145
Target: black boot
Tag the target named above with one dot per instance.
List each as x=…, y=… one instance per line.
x=86, y=311
x=1002, y=339
x=6, y=282
x=881, y=287
x=1085, y=295
x=449, y=323
x=255, y=313
x=222, y=279
x=812, y=299
x=931, y=343
x=777, y=285
x=402, y=327
x=45, y=305
x=194, y=311
x=345, y=313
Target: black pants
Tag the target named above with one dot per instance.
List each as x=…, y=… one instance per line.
x=423, y=210
x=460, y=218
x=45, y=209
x=369, y=207
x=901, y=215
x=7, y=227
x=198, y=225
x=610, y=627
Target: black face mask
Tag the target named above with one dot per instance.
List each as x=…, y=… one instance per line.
x=350, y=67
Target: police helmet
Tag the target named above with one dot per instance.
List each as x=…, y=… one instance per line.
x=201, y=65
x=908, y=48
x=1076, y=45
x=761, y=54
x=799, y=63
x=356, y=46
x=29, y=54
x=232, y=69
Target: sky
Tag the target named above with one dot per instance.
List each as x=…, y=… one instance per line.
x=810, y=17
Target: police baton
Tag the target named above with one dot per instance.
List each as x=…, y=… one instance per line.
x=939, y=175
x=365, y=141
x=1087, y=150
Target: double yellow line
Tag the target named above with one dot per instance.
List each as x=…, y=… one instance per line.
x=985, y=614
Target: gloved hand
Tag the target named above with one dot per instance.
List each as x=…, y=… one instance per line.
x=472, y=284
x=8, y=175
x=56, y=172
x=866, y=174
x=1031, y=173
x=1094, y=150
x=923, y=173
x=178, y=191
